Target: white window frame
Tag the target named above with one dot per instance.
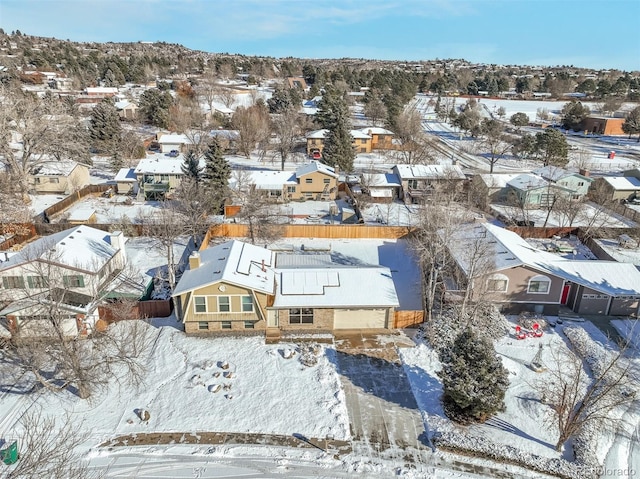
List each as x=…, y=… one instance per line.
x=539, y=279
x=195, y=304
x=228, y=304
x=243, y=304
x=498, y=277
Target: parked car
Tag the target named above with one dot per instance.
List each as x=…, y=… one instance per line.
x=173, y=153
x=316, y=155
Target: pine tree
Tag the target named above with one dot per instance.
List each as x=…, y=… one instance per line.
x=333, y=114
x=473, y=378
x=191, y=167
x=216, y=175
x=104, y=127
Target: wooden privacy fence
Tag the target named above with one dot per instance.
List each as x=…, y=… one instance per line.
x=235, y=230
x=408, y=319
x=16, y=234
x=155, y=308
x=73, y=197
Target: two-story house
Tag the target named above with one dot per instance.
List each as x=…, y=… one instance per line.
x=419, y=182
x=312, y=181
x=70, y=270
x=60, y=177
x=238, y=288
x=381, y=138
x=500, y=266
x=159, y=176
x=361, y=141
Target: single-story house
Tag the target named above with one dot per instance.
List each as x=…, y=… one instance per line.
x=381, y=187
x=618, y=188
x=490, y=188
x=602, y=125
x=126, y=109
x=502, y=267
x=578, y=183
x=419, y=182
x=237, y=287
x=62, y=177
x=126, y=181
x=170, y=142
x=532, y=191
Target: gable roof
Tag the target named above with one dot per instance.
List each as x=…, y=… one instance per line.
x=505, y=249
x=623, y=183
x=496, y=180
x=125, y=175
x=55, y=168
x=174, y=139
x=162, y=165
x=429, y=171
x=232, y=262
x=271, y=180
x=555, y=173
x=314, y=166
x=527, y=182
x=376, y=130
x=83, y=247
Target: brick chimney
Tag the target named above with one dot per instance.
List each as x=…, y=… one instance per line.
x=584, y=172
x=194, y=260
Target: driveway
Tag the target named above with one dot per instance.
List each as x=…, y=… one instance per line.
x=385, y=419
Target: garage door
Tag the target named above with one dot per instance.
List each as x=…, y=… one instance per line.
x=360, y=318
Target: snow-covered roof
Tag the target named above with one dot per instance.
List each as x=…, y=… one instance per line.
x=376, y=130
x=314, y=166
x=101, y=89
x=82, y=247
x=317, y=133
x=125, y=175
x=381, y=180
x=225, y=134
x=122, y=104
x=271, y=180
x=429, y=171
x=555, y=173
x=504, y=249
x=527, y=182
x=81, y=213
x=173, y=139
x=623, y=182
x=336, y=287
x=497, y=180
x=54, y=168
x=161, y=165
x=232, y=262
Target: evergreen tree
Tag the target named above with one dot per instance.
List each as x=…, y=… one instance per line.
x=552, y=147
x=473, y=378
x=104, y=127
x=216, y=174
x=338, y=146
x=154, y=107
x=279, y=101
x=191, y=167
x=631, y=124
x=572, y=115
x=116, y=162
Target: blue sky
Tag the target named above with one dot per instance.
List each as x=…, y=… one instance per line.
x=584, y=33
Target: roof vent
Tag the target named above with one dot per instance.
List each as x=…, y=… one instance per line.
x=78, y=231
x=217, y=272
x=222, y=259
x=62, y=243
x=70, y=237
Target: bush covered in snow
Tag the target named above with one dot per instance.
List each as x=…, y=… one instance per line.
x=487, y=322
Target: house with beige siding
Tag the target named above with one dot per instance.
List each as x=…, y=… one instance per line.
x=239, y=288
x=502, y=267
x=420, y=182
x=60, y=177
x=361, y=141
x=312, y=181
x=159, y=176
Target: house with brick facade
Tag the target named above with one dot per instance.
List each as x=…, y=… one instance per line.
x=239, y=288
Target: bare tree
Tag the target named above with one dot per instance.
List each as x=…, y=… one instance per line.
x=225, y=95
x=414, y=145
x=494, y=140
x=45, y=341
x=286, y=128
x=581, y=399
x=257, y=212
x=15, y=212
x=253, y=127
x=49, y=448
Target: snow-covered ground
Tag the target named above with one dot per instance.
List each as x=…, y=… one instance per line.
x=625, y=254
x=590, y=216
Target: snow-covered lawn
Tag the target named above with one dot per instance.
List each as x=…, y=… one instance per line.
x=521, y=432
x=259, y=391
